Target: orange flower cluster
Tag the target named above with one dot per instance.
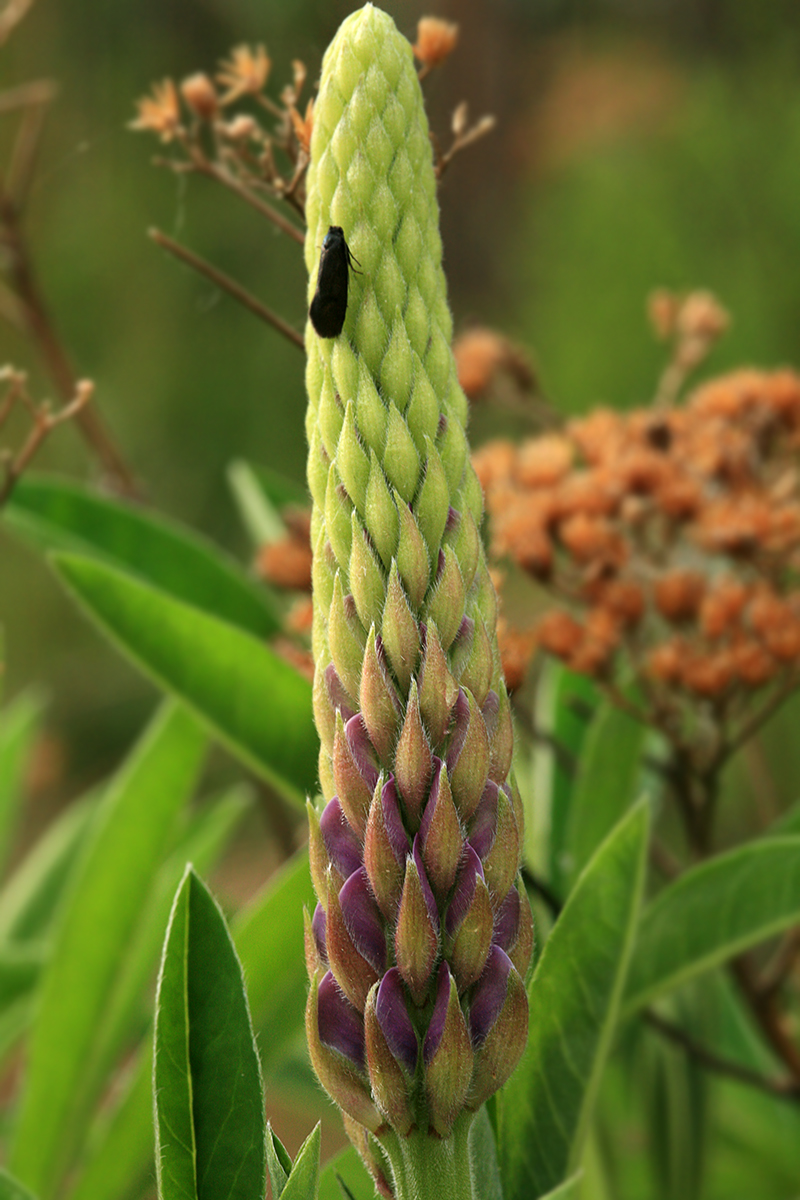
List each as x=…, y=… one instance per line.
x=672, y=536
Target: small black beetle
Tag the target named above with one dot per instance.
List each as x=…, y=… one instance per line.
x=330, y=299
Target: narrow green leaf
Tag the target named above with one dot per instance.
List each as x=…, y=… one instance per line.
x=18, y=725
x=209, y=1107
x=59, y=514
x=20, y=968
x=574, y=998
x=120, y=1152
x=607, y=783
x=30, y=898
x=569, y=1190
x=11, y=1188
x=253, y=701
x=303, y=1182
x=483, y=1149
x=279, y=1163
x=268, y=934
x=259, y=514
x=564, y=705
x=201, y=844
x=128, y=839
x=348, y=1167
x=713, y=912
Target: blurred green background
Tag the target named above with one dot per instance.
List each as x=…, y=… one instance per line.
x=653, y=142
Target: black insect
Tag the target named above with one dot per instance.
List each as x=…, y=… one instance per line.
x=330, y=299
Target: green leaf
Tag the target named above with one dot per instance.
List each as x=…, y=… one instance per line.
x=268, y=934
x=569, y=1190
x=20, y=968
x=58, y=514
x=574, y=998
x=11, y=1188
x=18, y=726
x=131, y=832
x=254, y=702
x=303, y=1182
x=348, y=1167
x=564, y=704
x=485, y=1167
x=30, y=897
x=258, y=510
x=607, y=783
x=201, y=844
x=120, y=1151
x=209, y=1107
x=713, y=912
x=279, y=1163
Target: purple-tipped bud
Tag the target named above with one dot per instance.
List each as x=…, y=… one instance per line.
x=379, y=701
x=440, y=833
x=354, y=973
x=448, y=1056
x=336, y=1069
x=470, y=946
x=438, y=690
x=468, y=756
x=400, y=631
x=506, y=922
x=341, y=1026
x=413, y=761
x=417, y=934
x=498, y=1025
x=501, y=863
x=483, y=826
x=341, y=843
x=349, y=778
x=502, y=740
x=363, y=919
x=469, y=872
x=392, y=1015
x=385, y=865
x=391, y=1084
x=315, y=954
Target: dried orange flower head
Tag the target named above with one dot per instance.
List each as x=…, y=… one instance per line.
x=244, y=73
x=200, y=94
x=480, y=353
x=303, y=125
x=436, y=40
x=160, y=112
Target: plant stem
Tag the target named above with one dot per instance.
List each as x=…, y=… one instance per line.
x=431, y=1168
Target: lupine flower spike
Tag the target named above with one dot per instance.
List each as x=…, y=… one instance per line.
x=422, y=936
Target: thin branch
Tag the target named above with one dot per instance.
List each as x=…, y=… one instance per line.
x=214, y=171
x=763, y=1006
x=25, y=95
x=43, y=423
x=782, y=1089
x=751, y=727
x=229, y=285
x=40, y=328
x=11, y=16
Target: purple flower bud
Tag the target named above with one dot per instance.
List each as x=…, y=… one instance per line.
x=393, y=1018
x=469, y=871
x=448, y=1057
x=393, y=819
x=341, y=1027
x=363, y=919
x=489, y=995
x=341, y=843
x=483, y=826
x=340, y=700
x=440, y=833
x=318, y=928
x=362, y=751
x=506, y=922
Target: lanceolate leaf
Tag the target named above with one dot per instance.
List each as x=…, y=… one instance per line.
x=303, y=1182
x=132, y=830
x=18, y=724
x=61, y=515
x=268, y=934
x=210, y=1124
x=607, y=780
x=574, y=996
x=713, y=912
x=256, y=704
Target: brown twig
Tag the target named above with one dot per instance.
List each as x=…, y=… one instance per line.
x=43, y=422
x=782, y=1089
x=229, y=285
x=11, y=16
x=40, y=328
x=206, y=167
